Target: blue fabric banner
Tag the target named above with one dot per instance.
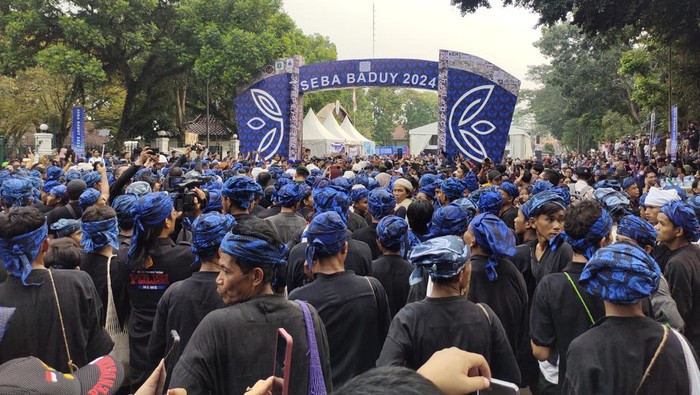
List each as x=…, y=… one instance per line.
x=78, y=131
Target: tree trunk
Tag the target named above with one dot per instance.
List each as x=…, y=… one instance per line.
x=180, y=101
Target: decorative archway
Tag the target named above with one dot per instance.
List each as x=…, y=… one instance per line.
x=476, y=100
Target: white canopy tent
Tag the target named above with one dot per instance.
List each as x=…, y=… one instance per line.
x=316, y=138
x=367, y=144
x=352, y=145
x=419, y=138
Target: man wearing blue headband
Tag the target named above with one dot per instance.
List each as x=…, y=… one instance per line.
x=288, y=223
x=359, y=195
x=638, y=232
x=495, y=281
x=447, y=318
x=626, y=352
x=187, y=302
x=561, y=310
x=155, y=262
x=450, y=190
x=354, y=309
x=381, y=204
x=391, y=269
x=678, y=230
x=100, y=242
x=38, y=326
x=233, y=347
x=508, y=212
x=237, y=198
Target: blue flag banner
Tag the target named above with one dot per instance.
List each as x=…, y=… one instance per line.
x=78, y=131
x=674, y=132
x=475, y=106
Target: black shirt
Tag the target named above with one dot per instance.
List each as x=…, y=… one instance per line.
x=661, y=255
x=356, y=317
x=96, y=266
x=368, y=235
x=35, y=328
x=182, y=308
x=611, y=358
x=507, y=297
x=432, y=324
x=558, y=316
x=269, y=212
x=356, y=221
x=359, y=260
x=509, y=216
x=171, y=263
x=393, y=272
x=551, y=261
x=234, y=347
x=683, y=275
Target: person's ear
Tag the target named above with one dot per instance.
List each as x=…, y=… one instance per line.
x=530, y=223
x=257, y=276
x=45, y=245
x=679, y=231
x=344, y=250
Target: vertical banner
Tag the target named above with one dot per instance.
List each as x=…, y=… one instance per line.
x=442, y=101
x=674, y=132
x=296, y=107
x=78, y=129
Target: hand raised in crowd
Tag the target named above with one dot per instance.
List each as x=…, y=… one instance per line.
x=457, y=372
x=155, y=382
x=143, y=158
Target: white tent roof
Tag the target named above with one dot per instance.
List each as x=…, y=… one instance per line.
x=350, y=129
x=314, y=130
x=332, y=126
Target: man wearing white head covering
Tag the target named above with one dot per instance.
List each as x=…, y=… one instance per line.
x=655, y=199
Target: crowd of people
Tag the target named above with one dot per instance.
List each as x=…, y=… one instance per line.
x=579, y=274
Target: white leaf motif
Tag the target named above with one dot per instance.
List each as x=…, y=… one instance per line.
x=487, y=129
x=266, y=104
x=466, y=138
x=256, y=123
x=267, y=140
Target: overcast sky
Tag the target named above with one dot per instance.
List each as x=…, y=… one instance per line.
x=420, y=28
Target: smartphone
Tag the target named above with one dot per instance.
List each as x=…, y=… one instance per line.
x=171, y=357
x=155, y=151
x=283, y=363
x=500, y=387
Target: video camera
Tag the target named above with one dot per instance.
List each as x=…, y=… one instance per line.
x=184, y=197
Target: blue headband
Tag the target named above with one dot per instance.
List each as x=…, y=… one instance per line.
x=589, y=243
x=279, y=184
x=621, y=273
x=91, y=178
x=214, y=204
x=470, y=182
x=58, y=191
x=448, y=220
x=100, y=234
x=290, y=194
x=53, y=173
x=241, y=190
x=17, y=253
x=372, y=184
x=683, y=216
x=541, y=186
x=616, y=202
x=392, y=231
x=208, y=231
x=150, y=210
x=564, y=192
x=468, y=206
x=88, y=198
x=16, y=192
x=642, y=200
x=510, y=189
x=381, y=203
x=123, y=204
x=49, y=185
x=357, y=194
x=254, y=251
x=539, y=200
x=331, y=199
x=494, y=237
x=65, y=227
x=427, y=179
x=326, y=235
x=628, y=182
x=342, y=183
x=490, y=202
x=637, y=229
x=694, y=203
x=452, y=188
x=72, y=175
x=444, y=257
x=138, y=188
